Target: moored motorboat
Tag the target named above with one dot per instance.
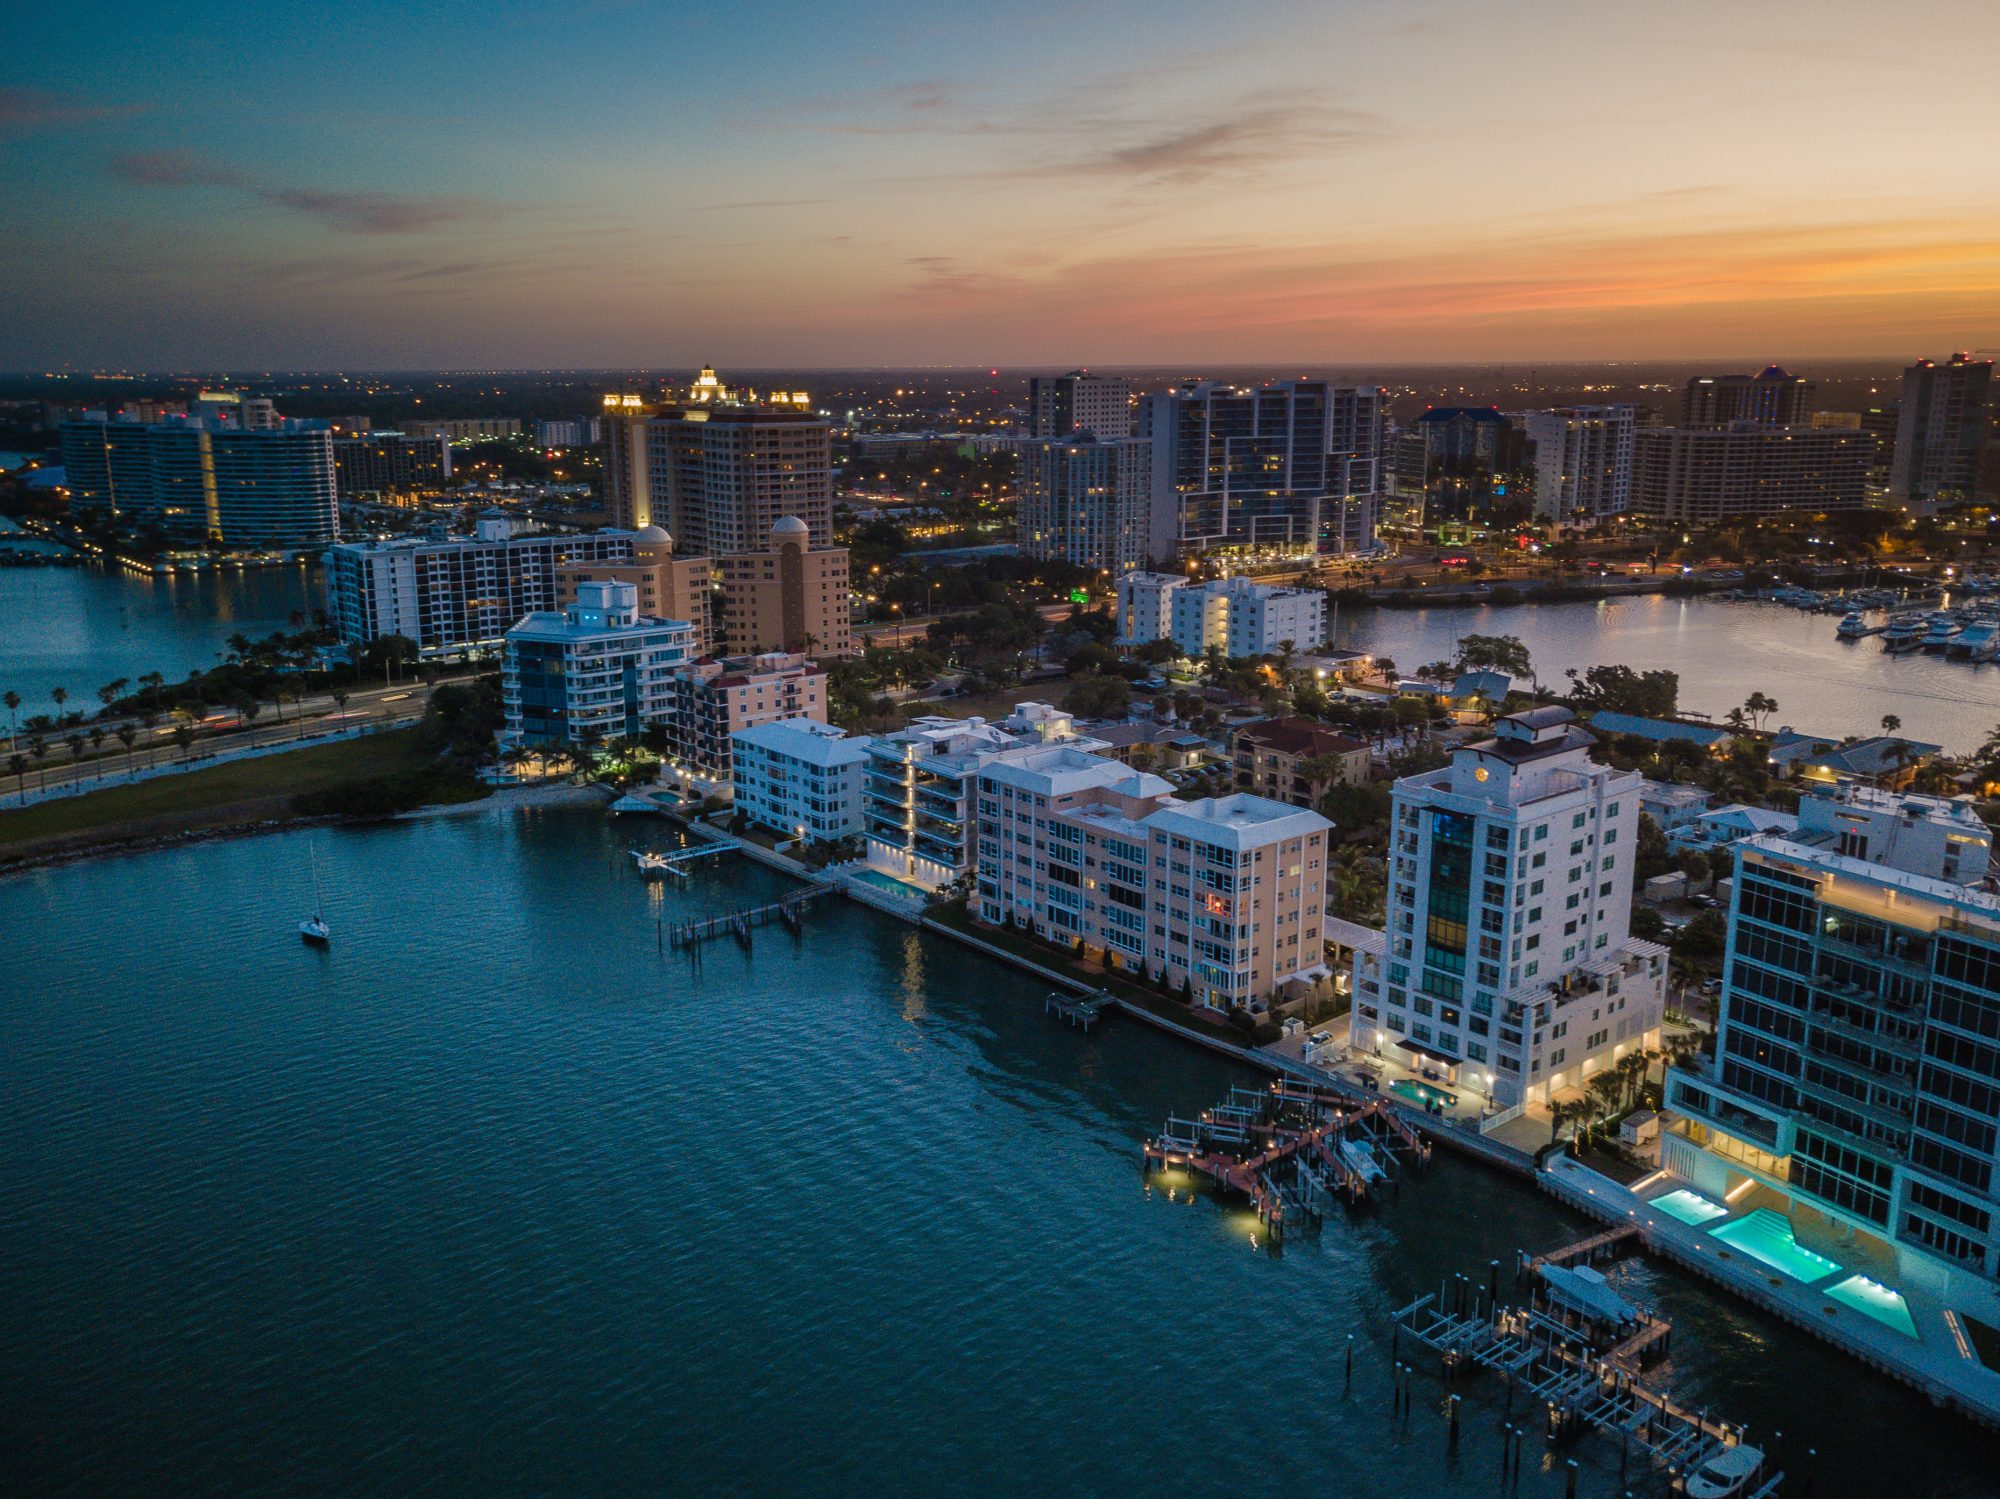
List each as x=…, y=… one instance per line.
x=1852, y=626
x=1727, y=1474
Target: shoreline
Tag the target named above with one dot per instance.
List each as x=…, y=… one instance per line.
x=121, y=844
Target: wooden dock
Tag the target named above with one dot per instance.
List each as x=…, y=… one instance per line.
x=1597, y=1246
x=690, y=935
x=1080, y=1010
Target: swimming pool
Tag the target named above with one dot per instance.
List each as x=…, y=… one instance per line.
x=1422, y=1094
x=1873, y=1299
x=1767, y=1237
x=1689, y=1207
x=890, y=883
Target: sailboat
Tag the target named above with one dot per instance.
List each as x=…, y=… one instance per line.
x=314, y=928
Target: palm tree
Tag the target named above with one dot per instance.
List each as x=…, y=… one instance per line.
x=97, y=747
x=76, y=748
x=13, y=701
x=184, y=737
x=153, y=681
x=110, y=692
x=149, y=721
x=39, y=748
x=17, y=767
x=1758, y=706
x=1891, y=723
x=1559, y=1115
x=127, y=736
x=59, y=696
x=249, y=707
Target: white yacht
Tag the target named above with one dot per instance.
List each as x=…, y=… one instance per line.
x=1727, y=1474
x=1852, y=626
x=1979, y=641
x=314, y=928
x=1943, y=630
x=1905, y=632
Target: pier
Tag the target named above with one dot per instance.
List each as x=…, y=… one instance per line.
x=1292, y=1149
x=1080, y=1010
x=689, y=935
x=1556, y=1358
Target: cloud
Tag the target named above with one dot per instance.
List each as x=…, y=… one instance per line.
x=1233, y=143
x=376, y=213
x=761, y=203
x=25, y=109
x=174, y=169
x=344, y=212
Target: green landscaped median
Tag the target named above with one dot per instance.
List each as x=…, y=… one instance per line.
x=259, y=789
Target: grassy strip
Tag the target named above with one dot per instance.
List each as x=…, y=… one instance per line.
x=242, y=791
x=954, y=914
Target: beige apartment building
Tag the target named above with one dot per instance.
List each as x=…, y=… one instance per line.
x=791, y=596
x=716, y=698
x=1225, y=895
x=669, y=587
x=1272, y=758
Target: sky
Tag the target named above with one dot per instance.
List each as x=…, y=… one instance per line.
x=642, y=184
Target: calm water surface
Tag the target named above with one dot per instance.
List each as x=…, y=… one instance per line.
x=80, y=627
x=492, y=1200
x=1723, y=652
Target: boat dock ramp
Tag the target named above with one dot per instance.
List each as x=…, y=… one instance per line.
x=1080, y=1010
x=1292, y=1150
x=1574, y=1349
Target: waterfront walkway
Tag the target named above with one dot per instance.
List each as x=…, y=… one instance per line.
x=1937, y=1360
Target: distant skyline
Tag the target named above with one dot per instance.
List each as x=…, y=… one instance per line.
x=782, y=185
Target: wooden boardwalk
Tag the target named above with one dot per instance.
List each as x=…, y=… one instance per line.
x=691, y=934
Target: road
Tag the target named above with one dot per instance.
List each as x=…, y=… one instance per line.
x=398, y=704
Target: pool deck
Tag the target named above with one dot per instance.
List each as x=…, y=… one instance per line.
x=1938, y=1361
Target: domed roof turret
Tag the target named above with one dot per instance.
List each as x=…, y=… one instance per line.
x=789, y=525
x=655, y=536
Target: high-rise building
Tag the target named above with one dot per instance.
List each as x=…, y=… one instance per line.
x=1856, y=1077
x=1459, y=466
x=451, y=594
x=270, y=486
x=669, y=587
x=1507, y=962
x=390, y=463
x=1770, y=398
x=790, y=596
x=600, y=670
x=1064, y=405
x=1583, y=462
x=719, y=468
x=463, y=428
x=1946, y=418
x=1716, y=474
x=1222, y=895
x=1293, y=467
x=1088, y=500
x=567, y=432
x=236, y=408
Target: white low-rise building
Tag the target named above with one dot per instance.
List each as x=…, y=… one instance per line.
x=1224, y=896
x=1233, y=615
x=800, y=778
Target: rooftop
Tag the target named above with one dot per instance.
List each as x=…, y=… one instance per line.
x=1239, y=821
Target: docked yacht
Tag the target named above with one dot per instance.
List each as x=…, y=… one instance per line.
x=1905, y=632
x=1979, y=641
x=1852, y=626
x=1729, y=1473
x=1944, y=629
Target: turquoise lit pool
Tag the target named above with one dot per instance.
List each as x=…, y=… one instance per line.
x=889, y=883
x=1690, y=1207
x=1767, y=1237
x=1873, y=1299
x=1423, y=1095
